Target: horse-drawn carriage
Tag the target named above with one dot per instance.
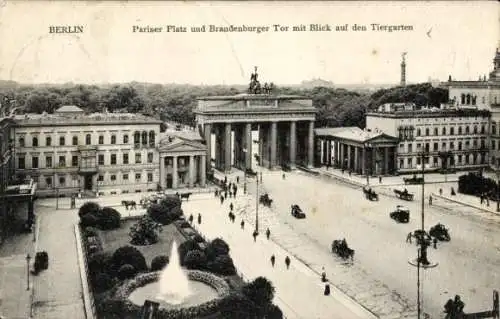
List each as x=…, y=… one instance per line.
x=297, y=212
x=340, y=248
x=440, y=232
x=370, y=194
x=421, y=236
x=183, y=195
x=403, y=194
x=265, y=200
x=250, y=173
x=401, y=214
x=413, y=180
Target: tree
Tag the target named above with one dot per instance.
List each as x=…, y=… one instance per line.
x=260, y=291
x=145, y=231
x=217, y=247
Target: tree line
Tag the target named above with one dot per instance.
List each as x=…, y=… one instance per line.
x=172, y=102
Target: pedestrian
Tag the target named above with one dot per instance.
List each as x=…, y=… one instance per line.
x=231, y=206
x=199, y=218
x=487, y=201
x=191, y=218
x=273, y=260
x=380, y=179
x=440, y=192
x=234, y=191
x=255, y=235
x=453, y=192
x=434, y=243
x=287, y=262
x=349, y=173
x=327, y=289
x=230, y=194
x=221, y=199
x=283, y=175
x=261, y=177
x=481, y=198
x=342, y=171
x=430, y=199
x=237, y=179
x=225, y=194
x=408, y=237
x=225, y=179
x=323, y=275
x=216, y=193
x=268, y=233
x=242, y=224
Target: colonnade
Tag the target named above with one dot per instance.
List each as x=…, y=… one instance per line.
x=280, y=143
x=182, y=170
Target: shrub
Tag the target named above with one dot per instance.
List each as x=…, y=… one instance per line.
x=102, y=282
x=198, y=238
x=89, y=220
x=274, y=312
x=159, y=262
x=166, y=211
x=222, y=265
x=217, y=247
x=237, y=306
x=41, y=261
x=128, y=255
x=93, y=245
x=112, y=308
x=185, y=247
x=99, y=263
x=260, y=291
x=89, y=208
x=145, y=231
x=109, y=218
x=476, y=184
x=195, y=259
x=126, y=271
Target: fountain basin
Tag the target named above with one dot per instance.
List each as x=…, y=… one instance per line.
x=207, y=291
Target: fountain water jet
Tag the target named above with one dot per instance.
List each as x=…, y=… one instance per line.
x=174, y=282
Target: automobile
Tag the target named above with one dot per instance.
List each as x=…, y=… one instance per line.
x=297, y=212
x=401, y=214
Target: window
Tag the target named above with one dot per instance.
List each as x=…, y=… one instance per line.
x=435, y=161
x=34, y=141
x=62, y=161
x=48, y=181
x=62, y=141
x=493, y=145
x=452, y=146
x=74, y=160
x=137, y=138
x=100, y=178
x=125, y=139
x=150, y=157
x=443, y=131
x=475, y=129
x=101, y=139
x=152, y=138
x=418, y=132
x=138, y=158
x=483, y=129
x=443, y=146
x=459, y=146
x=462, y=99
x=125, y=177
x=48, y=161
x=75, y=140
x=419, y=160
x=483, y=143
x=452, y=131
x=138, y=176
x=459, y=159
x=426, y=132
x=467, y=145
x=459, y=130
x=88, y=139
x=410, y=162
x=144, y=138
x=113, y=139
x=100, y=159
x=21, y=163
x=21, y=142
x=62, y=181
x=113, y=159
x=34, y=162
x=113, y=177
x=401, y=163
x=474, y=143
x=436, y=132
x=48, y=141
x=150, y=177
x=493, y=129
x=467, y=130
x=410, y=147
x=427, y=147
x=435, y=146
x=419, y=146
x=125, y=158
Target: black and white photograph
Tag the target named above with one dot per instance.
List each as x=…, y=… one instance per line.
x=249, y=159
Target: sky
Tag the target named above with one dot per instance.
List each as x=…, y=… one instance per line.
x=457, y=38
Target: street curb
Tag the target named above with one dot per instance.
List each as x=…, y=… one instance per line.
x=465, y=204
x=86, y=295
x=35, y=249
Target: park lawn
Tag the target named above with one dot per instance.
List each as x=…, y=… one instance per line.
x=116, y=238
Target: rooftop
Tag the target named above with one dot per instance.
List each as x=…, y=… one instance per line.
x=69, y=109
x=69, y=116
x=352, y=133
x=247, y=96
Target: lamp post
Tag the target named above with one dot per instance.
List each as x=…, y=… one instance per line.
x=498, y=184
x=366, y=145
x=257, y=207
x=28, y=257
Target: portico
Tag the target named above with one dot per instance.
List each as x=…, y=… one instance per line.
x=360, y=151
x=182, y=163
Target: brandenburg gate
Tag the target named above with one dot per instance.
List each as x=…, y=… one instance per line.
x=285, y=125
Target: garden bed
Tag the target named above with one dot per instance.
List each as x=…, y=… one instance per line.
x=116, y=238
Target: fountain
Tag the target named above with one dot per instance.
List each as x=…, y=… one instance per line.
x=174, y=283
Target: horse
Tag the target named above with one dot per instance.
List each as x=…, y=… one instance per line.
x=129, y=203
x=340, y=248
x=185, y=195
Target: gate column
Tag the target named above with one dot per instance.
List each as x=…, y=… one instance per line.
x=227, y=147
x=272, y=160
x=248, y=147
